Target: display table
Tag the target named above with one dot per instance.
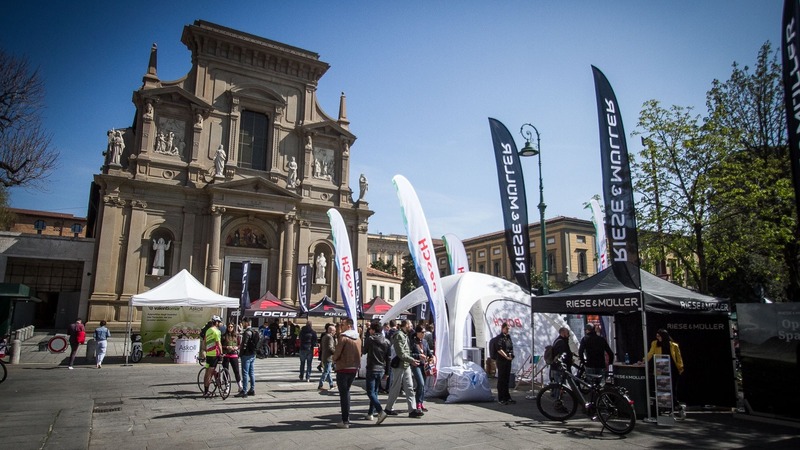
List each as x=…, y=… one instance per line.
x=632, y=378
x=186, y=351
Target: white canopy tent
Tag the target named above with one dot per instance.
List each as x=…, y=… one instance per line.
x=180, y=290
x=497, y=301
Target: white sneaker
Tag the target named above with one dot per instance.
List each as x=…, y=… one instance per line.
x=369, y=417
x=343, y=425
x=381, y=417
x=70, y=367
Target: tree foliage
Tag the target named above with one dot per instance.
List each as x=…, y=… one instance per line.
x=716, y=191
x=26, y=154
x=410, y=279
x=384, y=266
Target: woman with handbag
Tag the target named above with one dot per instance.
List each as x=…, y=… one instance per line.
x=230, y=351
x=422, y=353
x=77, y=336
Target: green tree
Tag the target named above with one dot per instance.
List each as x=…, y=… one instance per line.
x=410, y=280
x=384, y=266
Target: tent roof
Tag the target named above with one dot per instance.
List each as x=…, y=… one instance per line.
x=611, y=291
x=183, y=290
x=326, y=307
x=379, y=307
x=270, y=306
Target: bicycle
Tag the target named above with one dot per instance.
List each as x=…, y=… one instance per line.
x=5, y=349
x=609, y=403
x=220, y=381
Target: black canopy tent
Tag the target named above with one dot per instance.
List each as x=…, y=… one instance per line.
x=697, y=322
x=327, y=308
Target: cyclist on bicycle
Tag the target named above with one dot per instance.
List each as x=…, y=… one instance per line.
x=213, y=345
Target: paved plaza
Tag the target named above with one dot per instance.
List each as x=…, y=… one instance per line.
x=156, y=404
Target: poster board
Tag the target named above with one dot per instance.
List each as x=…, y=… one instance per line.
x=163, y=325
x=662, y=372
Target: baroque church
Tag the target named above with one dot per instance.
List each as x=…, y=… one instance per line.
x=234, y=162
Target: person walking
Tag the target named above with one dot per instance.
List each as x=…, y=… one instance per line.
x=251, y=338
x=593, y=351
x=376, y=347
x=101, y=335
x=308, y=339
x=401, y=374
x=504, y=354
x=422, y=353
x=347, y=358
x=326, y=349
x=77, y=335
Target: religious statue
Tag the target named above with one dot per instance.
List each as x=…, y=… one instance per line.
x=363, y=186
x=198, y=120
x=292, y=181
x=321, y=264
x=115, y=146
x=160, y=248
x=148, y=110
x=219, y=161
x=309, y=142
x=161, y=143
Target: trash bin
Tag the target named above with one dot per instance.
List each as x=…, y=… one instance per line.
x=186, y=351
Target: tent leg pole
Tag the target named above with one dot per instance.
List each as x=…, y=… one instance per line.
x=646, y=364
x=127, y=346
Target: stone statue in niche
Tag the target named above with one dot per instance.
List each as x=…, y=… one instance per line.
x=148, y=110
x=323, y=164
x=309, y=142
x=198, y=120
x=322, y=263
x=116, y=144
x=160, y=247
x=292, y=180
x=219, y=161
x=170, y=137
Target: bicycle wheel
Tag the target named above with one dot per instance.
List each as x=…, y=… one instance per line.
x=201, y=375
x=615, y=412
x=557, y=402
x=3, y=372
x=224, y=381
x=136, y=354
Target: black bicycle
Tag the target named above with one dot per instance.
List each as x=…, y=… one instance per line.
x=220, y=381
x=611, y=404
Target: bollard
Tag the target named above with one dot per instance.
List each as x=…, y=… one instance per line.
x=91, y=348
x=16, y=351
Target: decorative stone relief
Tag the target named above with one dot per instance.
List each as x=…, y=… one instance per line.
x=170, y=139
x=148, y=110
x=324, y=164
x=246, y=236
x=112, y=200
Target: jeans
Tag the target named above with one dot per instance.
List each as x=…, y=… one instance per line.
x=326, y=375
x=101, y=351
x=373, y=384
x=248, y=373
x=419, y=383
x=597, y=371
x=401, y=378
x=306, y=356
x=345, y=381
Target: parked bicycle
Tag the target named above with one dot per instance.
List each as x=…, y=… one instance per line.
x=611, y=404
x=5, y=350
x=220, y=381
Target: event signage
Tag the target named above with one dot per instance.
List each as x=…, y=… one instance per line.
x=359, y=294
x=790, y=43
x=245, y=298
x=513, y=202
x=344, y=262
x=617, y=188
x=456, y=254
x=275, y=314
x=163, y=325
x=600, y=231
x=420, y=245
x=303, y=286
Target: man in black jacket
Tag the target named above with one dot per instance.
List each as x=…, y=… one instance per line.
x=308, y=340
x=504, y=355
x=593, y=351
x=376, y=347
x=560, y=350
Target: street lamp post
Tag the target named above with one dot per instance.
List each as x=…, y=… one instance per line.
x=528, y=150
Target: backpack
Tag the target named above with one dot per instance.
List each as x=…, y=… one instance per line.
x=549, y=357
x=251, y=344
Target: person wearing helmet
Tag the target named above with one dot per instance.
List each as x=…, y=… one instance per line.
x=213, y=346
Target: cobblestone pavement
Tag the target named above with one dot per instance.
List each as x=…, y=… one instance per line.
x=156, y=404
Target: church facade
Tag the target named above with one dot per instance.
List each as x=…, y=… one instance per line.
x=234, y=162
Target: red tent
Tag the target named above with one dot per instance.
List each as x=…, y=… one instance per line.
x=378, y=307
x=327, y=308
x=270, y=306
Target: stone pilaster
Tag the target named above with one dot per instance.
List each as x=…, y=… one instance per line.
x=289, y=262
x=187, y=240
x=132, y=271
x=213, y=259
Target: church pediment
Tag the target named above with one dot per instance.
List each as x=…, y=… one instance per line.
x=254, y=186
x=175, y=94
x=331, y=129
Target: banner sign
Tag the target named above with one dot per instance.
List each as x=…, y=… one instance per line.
x=456, y=255
x=791, y=87
x=163, y=325
x=600, y=235
x=421, y=311
x=420, y=245
x=514, y=203
x=304, y=286
x=244, y=300
x=617, y=188
x=359, y=294
x=344, y=262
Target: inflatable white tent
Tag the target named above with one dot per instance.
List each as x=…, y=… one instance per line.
x=489, y=301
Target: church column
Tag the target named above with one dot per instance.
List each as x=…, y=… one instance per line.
x=187, y=239
x=106, y=266
x=213, y=259
x=135, y=249
x=289, y=262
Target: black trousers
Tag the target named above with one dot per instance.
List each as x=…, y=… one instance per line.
x=503, y=379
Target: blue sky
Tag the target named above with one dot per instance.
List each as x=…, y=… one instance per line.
x=421, y=79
